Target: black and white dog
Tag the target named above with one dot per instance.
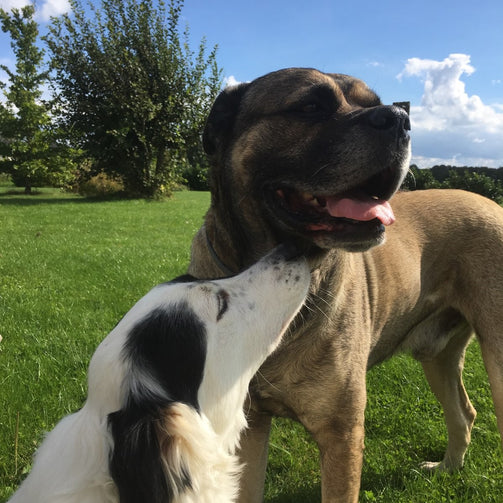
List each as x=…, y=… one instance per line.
x=166, y=390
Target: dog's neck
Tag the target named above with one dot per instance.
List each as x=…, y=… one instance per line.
x=214, y=253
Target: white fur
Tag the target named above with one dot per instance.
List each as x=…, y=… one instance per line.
x=72, y=464
x=214, y=470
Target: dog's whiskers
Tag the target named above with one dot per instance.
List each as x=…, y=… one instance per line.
x=327, y=293
x=313, y=298
x=319, y=170
x=269, y=382
x=411, y=173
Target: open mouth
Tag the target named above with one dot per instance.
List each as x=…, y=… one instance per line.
x=361, y=210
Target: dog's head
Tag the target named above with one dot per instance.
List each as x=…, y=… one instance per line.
x=314, y=157
x=189, y=350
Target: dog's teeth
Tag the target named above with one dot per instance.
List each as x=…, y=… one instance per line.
x=306, y=197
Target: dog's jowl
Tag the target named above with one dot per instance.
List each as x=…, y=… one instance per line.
x=316, y=159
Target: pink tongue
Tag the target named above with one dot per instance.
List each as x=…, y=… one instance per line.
x=362, y=210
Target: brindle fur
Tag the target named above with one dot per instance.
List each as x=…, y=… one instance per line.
x=435, y=281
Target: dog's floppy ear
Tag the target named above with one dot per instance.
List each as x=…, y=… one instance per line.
x=158, y=456
x=146, y=463
x=222, y=116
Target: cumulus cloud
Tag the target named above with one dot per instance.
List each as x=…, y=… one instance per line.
x=44, y=10
x=231, y=81
x=7, y=5
x=450, y=125
x=53, y=8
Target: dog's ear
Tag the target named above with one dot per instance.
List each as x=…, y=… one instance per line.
x=159, y=455
x=145, y=463
x=222, y=116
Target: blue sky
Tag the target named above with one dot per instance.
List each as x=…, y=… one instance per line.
x=445, y=56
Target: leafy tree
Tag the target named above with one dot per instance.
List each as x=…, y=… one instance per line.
x=420, y=179
x=474, y=182
x=30, y=150
x=484, y=181
x=132, y=93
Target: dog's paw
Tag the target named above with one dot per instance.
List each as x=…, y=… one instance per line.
x=438, y=466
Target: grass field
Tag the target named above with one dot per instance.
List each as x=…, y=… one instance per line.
x=70, y=267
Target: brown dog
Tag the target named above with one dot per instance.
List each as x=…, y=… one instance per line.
x=313, y=158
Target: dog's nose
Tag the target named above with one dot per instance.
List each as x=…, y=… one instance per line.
x=389, y=118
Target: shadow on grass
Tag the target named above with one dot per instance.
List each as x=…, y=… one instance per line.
x=311, y=494
x=398, y=476
x=19, y=199
x=377, y=480
x=14, y=201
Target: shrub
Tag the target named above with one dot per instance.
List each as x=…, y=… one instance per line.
x=101, y=185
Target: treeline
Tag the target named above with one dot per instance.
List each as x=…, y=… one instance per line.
x=485, y=181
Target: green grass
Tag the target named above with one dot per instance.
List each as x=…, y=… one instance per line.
x=69, y=269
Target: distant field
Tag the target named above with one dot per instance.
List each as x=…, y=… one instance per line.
x=69, y=269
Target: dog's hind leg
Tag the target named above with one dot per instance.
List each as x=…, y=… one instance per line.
x=444, y=375
x=493, y=360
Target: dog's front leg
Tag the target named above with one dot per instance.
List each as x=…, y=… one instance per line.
x=341, y=453
x=339, y=433
x=253, y=455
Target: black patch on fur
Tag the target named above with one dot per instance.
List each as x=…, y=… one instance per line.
x=135, y=463
x=170, y=346
x=167, y=347
x=184, y=278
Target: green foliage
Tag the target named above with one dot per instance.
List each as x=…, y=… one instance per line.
x=100, y=185
x=420, y=179
x=133, y=94
x=484, y=181
x=475, y=182
x=30, y=149
x=195, y=176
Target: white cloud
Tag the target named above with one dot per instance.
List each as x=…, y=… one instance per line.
x=53, y=8
x=231, y=81
x=43, y=9
x=7, y=5
x=450, y=124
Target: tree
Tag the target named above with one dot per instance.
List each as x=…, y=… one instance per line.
x=132, y=92
x=420, y=179
x=30, y=150
x=474, y=182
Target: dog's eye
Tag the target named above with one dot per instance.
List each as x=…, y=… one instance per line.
x=311, y=108
x=223, y=303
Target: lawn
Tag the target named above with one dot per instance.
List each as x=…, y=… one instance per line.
x=71, y=267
